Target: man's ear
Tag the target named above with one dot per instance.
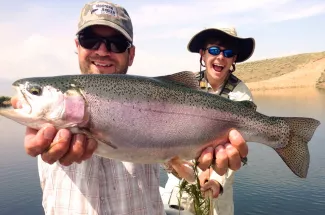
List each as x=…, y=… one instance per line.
x=77, y=45
x=131, y=55
x=76, y=42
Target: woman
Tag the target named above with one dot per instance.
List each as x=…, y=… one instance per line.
x=220, y=50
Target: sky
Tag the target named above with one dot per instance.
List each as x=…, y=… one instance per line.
x=37, y=36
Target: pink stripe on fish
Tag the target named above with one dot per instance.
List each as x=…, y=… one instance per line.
x=74, y=108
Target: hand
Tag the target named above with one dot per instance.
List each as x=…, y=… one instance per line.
x=206, y=183
x=227, y=156
x=59, y=145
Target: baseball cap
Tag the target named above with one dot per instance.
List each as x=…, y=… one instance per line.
x=108, y=14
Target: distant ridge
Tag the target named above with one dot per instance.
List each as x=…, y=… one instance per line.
x=301, y=70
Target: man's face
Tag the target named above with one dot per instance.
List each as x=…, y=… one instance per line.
x=102, y=61
x=217, y=66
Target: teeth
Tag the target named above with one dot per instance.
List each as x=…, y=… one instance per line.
x=218, y=65
x=99, y=64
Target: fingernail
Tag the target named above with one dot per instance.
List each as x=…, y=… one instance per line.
x=234, y=133
x=61, y=136
x=79, y=139
x=48, y=133
x=219, y=148
x=228, y=145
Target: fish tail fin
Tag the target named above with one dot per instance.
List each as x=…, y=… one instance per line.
x=296, y=153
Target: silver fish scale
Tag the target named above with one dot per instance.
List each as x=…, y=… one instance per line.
x=127, y=89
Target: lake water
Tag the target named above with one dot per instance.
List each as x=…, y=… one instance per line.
x=264, y=186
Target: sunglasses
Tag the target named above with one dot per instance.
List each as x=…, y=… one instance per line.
x=112, y=44
x=214, y=50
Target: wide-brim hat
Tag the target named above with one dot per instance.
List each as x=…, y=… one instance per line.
x=246, y=46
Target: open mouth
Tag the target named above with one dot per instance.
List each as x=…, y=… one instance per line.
x=17, y=103
x=218, y=67
x=104, y=65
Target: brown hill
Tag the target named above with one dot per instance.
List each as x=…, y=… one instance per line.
x=302, y=70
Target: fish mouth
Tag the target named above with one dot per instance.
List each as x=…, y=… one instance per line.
x=17, y=108
x=18, y=103
x=22, y=103
x=5, y=102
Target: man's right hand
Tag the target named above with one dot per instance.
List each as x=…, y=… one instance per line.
x=61, y=145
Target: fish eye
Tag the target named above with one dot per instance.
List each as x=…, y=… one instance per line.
x=35, y=90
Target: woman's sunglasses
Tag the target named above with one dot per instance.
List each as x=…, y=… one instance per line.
x=214, y=50
x=112, y=44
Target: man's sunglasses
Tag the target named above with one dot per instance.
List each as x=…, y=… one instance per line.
x=214, y=50
x=112, y=44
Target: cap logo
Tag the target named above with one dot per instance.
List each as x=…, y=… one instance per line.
x=106, y=9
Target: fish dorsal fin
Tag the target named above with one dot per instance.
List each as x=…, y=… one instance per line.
x=248, y=104
x=184, y=78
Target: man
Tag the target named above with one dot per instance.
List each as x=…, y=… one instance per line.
x=73, y=180
x=219, y=51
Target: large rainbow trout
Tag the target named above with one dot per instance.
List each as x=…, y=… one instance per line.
x=154, y=119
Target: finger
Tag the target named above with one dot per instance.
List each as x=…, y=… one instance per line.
x=221, y=163
x=206, y=158
x=58, y=148
x=76, y=150
x=204, y=176
x=91, y=146
x=36, y=142
x=238, y=142
x=233, y=156
x=183, y=169
x=212, y=185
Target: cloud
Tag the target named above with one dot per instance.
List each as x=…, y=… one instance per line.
x=298, y=11
x=150, y=64
x=154, y=15
x=36, y=45
x=168, y=20
x=39, y=42
x=37, y=54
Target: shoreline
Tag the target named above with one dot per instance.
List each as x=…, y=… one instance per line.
x=306, y=76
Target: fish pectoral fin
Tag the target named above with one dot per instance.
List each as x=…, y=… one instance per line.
x=76, y=130
x=107, y=143
x=184, y=78
x=248, y=104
